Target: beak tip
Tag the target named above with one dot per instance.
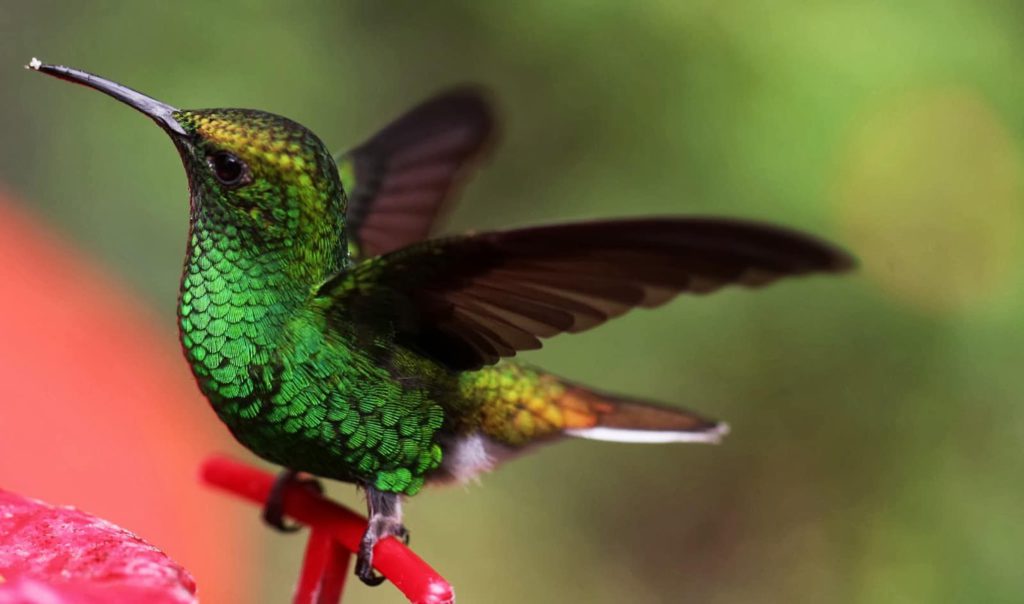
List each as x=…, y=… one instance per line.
x=161, y=113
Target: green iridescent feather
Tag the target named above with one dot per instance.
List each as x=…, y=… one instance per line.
x=325, y=400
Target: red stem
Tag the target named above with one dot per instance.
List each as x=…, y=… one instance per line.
x=333, y=581
x=325, y=565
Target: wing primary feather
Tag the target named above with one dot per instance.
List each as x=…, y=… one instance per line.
x=412, y=167
x=468, y=301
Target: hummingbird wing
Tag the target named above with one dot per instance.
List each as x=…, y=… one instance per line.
x=468, y=301
x=398, y=181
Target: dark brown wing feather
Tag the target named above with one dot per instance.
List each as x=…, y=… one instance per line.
x=399, y=180
x=469, y=301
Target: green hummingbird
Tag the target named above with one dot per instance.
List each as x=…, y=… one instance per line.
x=334, y=337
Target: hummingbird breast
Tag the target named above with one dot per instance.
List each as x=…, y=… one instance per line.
x=295, y=389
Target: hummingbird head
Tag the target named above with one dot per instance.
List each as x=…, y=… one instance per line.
x=258, y=176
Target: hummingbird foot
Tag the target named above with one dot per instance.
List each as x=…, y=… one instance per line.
x=273, y=509
x=385, y=521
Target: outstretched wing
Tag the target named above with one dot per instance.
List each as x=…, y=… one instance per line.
x=398, y=181
x=468, y=301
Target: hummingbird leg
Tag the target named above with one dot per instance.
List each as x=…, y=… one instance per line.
x=273, y=509
x=385, y=521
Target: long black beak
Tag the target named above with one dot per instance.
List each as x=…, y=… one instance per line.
x=161, y=113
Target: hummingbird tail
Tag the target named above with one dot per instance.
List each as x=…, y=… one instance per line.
x=619, y=419
x=522, y=405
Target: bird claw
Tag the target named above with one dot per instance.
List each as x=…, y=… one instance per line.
x=364, y=564
x=402, y=534
x=379, y=527
x=273, y=509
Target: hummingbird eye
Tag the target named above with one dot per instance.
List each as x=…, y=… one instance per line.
x=229, y=170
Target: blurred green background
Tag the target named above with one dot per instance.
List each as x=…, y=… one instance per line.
x=875, y=453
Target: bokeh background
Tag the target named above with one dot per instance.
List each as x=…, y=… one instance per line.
x=877, y=418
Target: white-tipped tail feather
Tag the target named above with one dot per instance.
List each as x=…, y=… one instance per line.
x=711, y=435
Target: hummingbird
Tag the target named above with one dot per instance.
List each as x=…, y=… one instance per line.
x=334, y=336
